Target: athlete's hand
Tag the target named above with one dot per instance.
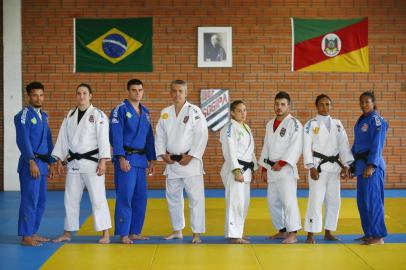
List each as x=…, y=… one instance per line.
x=101, y=167
x=276, y=167
x=345, y=173
x=59, y=167
x=263, y=175
x=239, y=177
x=151, y=167
x=124, y=164
x=51, y=170
x=34, y=170
x=314, y=174
x=369, y=171
x=167, y=159
x=185, y=160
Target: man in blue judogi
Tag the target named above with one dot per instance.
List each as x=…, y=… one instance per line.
x=34, y=141
x=369, y=140
x=132, y=139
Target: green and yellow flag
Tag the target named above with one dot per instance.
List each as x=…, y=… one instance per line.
x=113, y=45
x=330, y=45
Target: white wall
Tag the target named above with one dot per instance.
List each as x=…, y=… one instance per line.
x=12, y=71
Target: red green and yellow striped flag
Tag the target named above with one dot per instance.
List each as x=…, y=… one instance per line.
x=320, y=45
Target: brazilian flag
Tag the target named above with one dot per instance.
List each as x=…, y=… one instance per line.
x=113, y=45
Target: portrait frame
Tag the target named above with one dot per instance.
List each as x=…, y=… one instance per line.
x=214, y=47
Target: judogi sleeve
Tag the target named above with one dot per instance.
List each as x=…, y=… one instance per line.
x=102, y=131
x=264, y=152
x=116, y=131
x=23, y=136
x=228, y=140
x=344, y=146
x=160, y=137
x=200, y=135
x=295, y=148
x=307, y=146
x=150, y=144
x=50, y=146
x=61, y=147
x=378, y=130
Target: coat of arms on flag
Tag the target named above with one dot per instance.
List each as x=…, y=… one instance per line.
x=323, y=45
x=113, y=45
x=215, y=106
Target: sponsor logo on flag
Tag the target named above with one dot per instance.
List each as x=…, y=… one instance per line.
x=215, y=105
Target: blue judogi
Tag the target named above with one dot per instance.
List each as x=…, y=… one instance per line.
x=128, y=129
x=369, y=137
x=33, y=138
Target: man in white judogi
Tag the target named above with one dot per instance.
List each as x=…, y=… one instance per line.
x=239, y=163
x=326, y=152
x=181, y=138
x=83, y=142
x=282, y=148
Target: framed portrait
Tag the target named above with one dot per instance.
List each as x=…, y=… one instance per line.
x=214, y=47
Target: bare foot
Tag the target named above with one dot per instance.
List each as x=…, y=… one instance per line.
x=363, y=238
x=174, y=235
x=196, y=238
x=65, y=237
x=374, y=241
x=40, y=238
x=329, y=237
x=290, y=239
x=239, y=241
x=30, y=241
x=310, y=238
x=138, y=237
x=105, y=237
x=125, y=240
x=279, y=235
x=246, y=237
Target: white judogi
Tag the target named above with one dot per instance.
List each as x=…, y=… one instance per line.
x=186, y=132
x=91, y=133
x=327, y=136
x=284, y=144
x=237, y=144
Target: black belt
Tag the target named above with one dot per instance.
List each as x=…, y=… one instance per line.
x=246, y=165
x=267, y=161
x=44, y=158
x=129, y=151
x=87, y=155
x=325, y=159
x=177, y=158
x=359, y=156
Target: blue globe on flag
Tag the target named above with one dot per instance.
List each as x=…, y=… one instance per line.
x=114, y=45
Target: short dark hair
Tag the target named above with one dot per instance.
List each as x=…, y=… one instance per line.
x=34, y=85
x=85, y=85
x=319, y=97
x=235, y=103
x=281, y=95
x=134, y=82
x=371, y=95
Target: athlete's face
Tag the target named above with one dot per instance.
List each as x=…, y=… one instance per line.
x=324, y=106
x=366, y=104
x=135, y=92
x=83, y=96
x=281, y=107
x=36, y=98
x=239, y=113
x=178, y=93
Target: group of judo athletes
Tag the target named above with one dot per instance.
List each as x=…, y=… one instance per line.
x=83, y=147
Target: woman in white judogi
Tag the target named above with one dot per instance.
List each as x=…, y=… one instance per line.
x=181, y=138
x=239, y=163
x=326, y=152
x=281, y=151
x=83, y=142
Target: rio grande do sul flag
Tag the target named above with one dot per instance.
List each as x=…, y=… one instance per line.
x=113, y=45
x=321, y=45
